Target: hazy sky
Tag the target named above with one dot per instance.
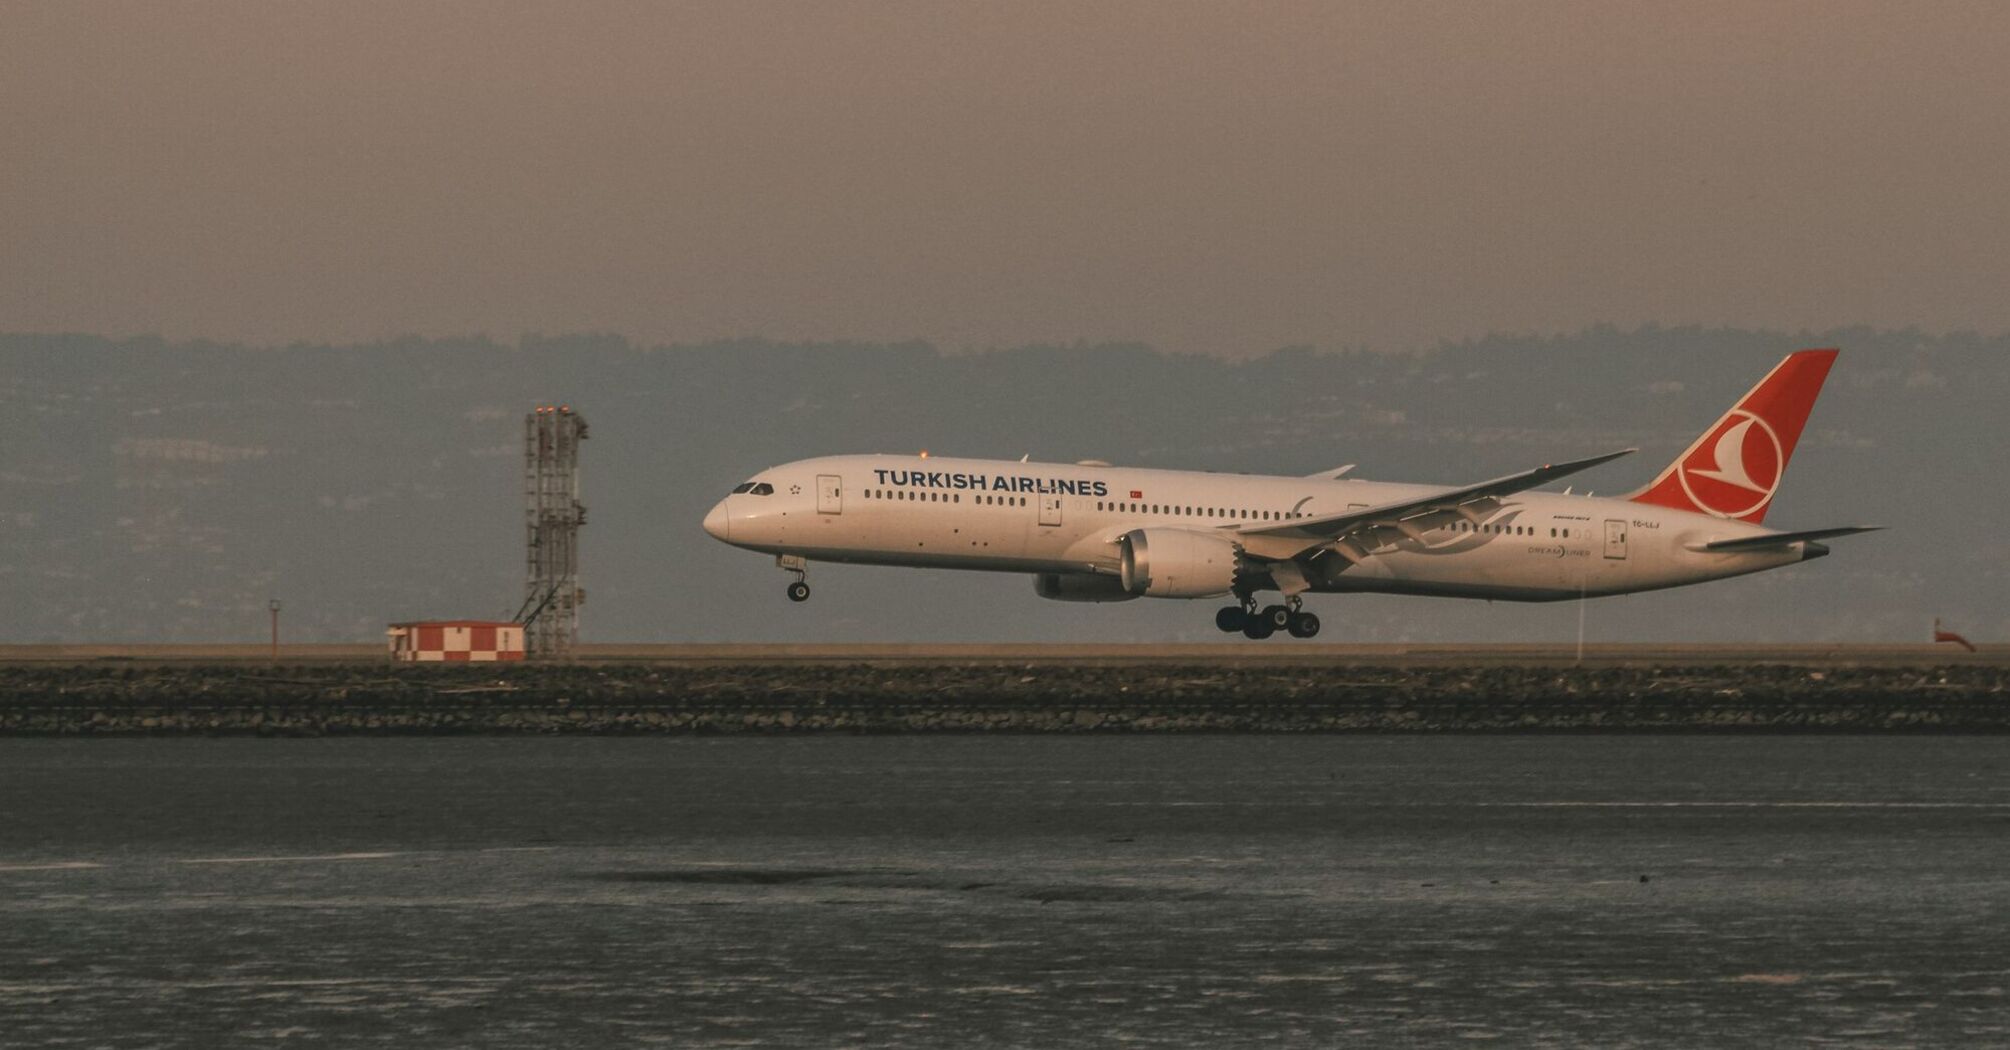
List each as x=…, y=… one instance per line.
x=1224, y=177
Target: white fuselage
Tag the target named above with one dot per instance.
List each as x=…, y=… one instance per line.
x=1010, y=516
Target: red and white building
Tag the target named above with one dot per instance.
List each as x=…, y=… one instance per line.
x=456, y=641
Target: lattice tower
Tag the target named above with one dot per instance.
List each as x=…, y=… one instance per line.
x=553, y=515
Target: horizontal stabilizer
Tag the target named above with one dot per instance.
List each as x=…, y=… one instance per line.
x=1783, y=539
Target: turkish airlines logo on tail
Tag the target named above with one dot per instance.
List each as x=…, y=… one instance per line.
x=1735, y=470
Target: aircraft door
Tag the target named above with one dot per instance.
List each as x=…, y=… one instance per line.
x=830, y=494
x=1050, y=510
x=1615, y=539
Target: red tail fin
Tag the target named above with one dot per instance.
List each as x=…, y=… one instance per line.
x=1734, y=469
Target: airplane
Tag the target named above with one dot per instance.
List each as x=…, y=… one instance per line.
x=1091, y=532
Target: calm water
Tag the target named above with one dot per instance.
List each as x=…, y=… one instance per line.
x=901, y=891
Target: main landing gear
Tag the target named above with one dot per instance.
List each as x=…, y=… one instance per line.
x=1262, y=623
x=799, y=591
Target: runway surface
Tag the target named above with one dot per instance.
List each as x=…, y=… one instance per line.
x=1018, y=891
x=1237, y=652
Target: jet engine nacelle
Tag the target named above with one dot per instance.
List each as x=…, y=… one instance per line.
x=1080, y=587
x=1177, y=563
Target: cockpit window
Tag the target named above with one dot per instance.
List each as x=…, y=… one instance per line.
x=745, y=486
x=761, y=489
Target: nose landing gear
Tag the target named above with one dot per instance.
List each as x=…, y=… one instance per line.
x=799, y=591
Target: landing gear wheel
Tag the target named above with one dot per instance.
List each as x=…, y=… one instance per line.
x=1303, y=625
x=799, y=591
x=1278, y=616
x=1230, y=618
x=1257, y=628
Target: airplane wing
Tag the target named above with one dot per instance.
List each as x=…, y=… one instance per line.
x=1350, y=532
x=1782, y=539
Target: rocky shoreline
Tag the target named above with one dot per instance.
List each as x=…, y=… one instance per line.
x=332, y=700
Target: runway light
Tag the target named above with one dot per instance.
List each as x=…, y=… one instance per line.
x=924, y=453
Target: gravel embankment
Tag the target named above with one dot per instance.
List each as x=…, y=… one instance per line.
x=86, y=699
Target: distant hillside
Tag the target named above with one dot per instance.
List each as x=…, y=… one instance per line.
x=162, y=492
